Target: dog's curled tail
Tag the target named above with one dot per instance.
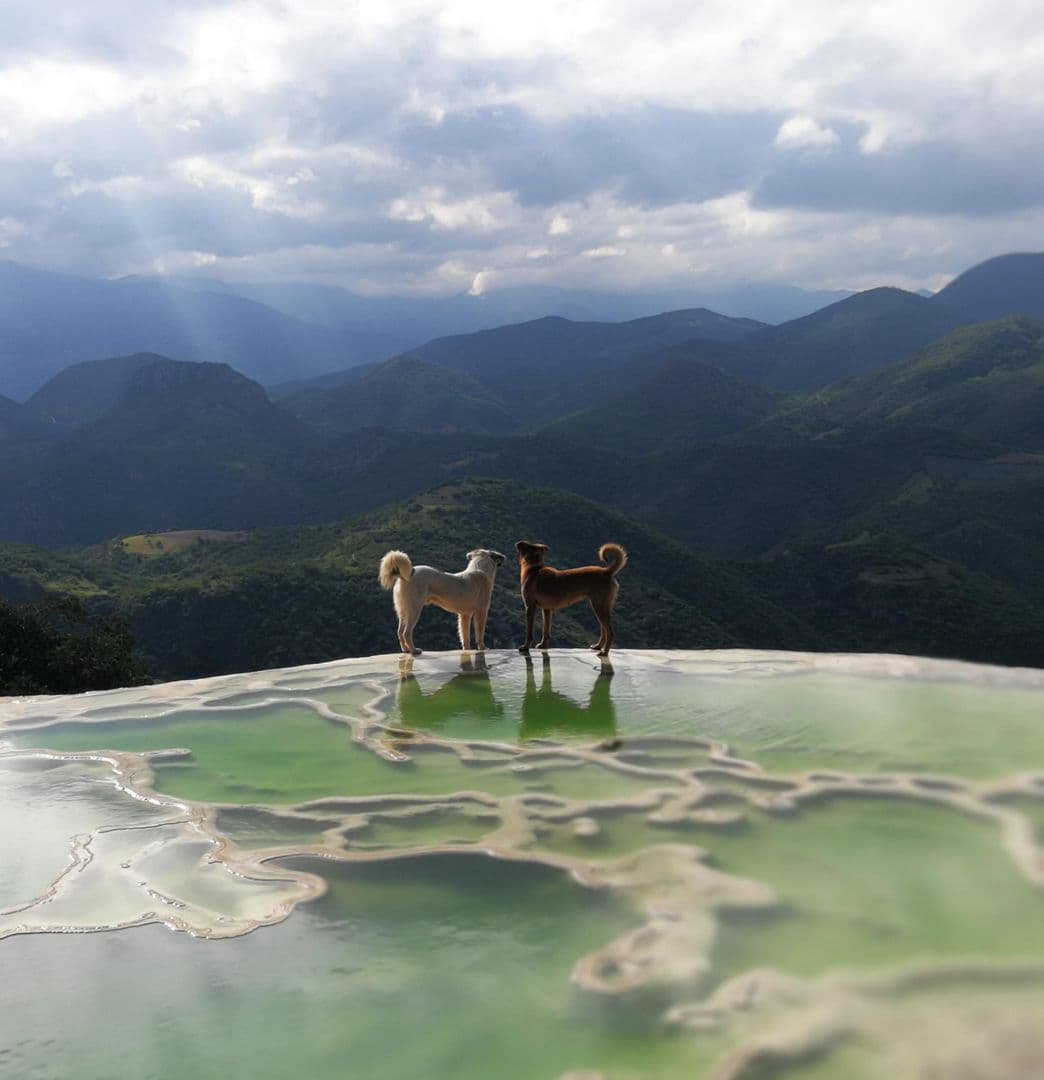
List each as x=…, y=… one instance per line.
x=396, y=564
x=615, y=556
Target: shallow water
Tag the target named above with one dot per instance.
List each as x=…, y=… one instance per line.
x=724, y=863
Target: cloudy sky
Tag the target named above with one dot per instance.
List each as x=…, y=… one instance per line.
x=410, y=146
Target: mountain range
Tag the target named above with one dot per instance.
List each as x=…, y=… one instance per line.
x=532, y=372
x=280, y=332
x=895, y=503
x=851, y=336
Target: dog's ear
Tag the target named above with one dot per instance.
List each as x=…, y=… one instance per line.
x=496, y=557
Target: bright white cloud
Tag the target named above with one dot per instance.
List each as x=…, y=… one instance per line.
x=40, y=93
x=480, y=282
x=803, y=132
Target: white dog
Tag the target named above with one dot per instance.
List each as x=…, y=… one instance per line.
x=466, y=594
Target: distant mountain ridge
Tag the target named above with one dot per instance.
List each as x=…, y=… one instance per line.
x=538, y=370
x=542, y=344
x=285, y=333
x=273, y=333
x=1005, y=285
x=858, y=334
x=528, y=363
x=412, y=319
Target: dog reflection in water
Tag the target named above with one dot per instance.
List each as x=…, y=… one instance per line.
x=467, y=696
x=547, y=713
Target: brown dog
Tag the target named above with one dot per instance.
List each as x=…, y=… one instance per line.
x=549, y=589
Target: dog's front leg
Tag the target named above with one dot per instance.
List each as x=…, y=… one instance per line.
x=545, y=639
x=530, y=617
x=480, y=630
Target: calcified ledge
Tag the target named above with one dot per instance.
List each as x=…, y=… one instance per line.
x=710, y=661
x=675, y=895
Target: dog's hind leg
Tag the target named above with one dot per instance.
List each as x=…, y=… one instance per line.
x=599, y=645
x=407, y=621
x=545, y=639
x=603, y=610
x=464, y=629
x=402, y=630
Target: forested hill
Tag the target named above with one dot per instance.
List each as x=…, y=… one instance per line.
x=212, y=603
x=986, y=381
x=288, y=596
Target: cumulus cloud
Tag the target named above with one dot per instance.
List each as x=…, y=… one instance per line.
x=801, y=132
x=459, y=145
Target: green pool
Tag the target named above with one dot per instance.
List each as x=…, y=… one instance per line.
x=721, y=864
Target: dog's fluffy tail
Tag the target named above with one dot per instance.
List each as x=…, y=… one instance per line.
x=615, y=556
x=396, y=564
